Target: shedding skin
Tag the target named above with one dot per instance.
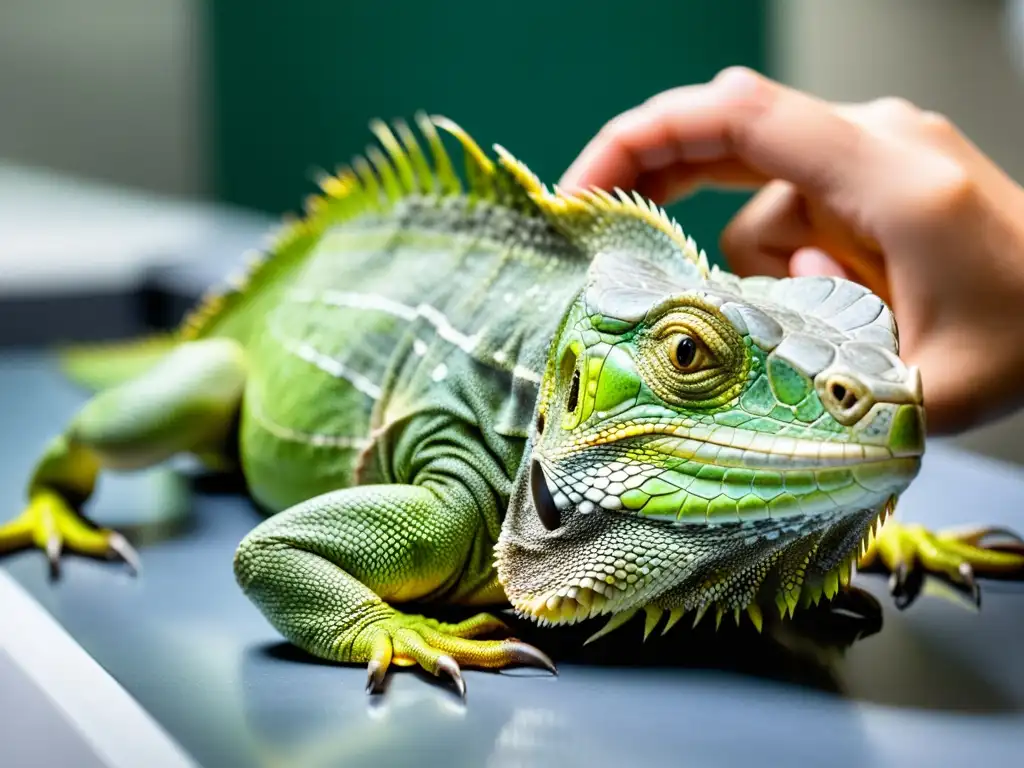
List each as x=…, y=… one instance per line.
x=467, y=389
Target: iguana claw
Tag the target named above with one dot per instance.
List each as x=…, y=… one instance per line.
x=450, y=667
x=905, y=585
x=534, y=657
x=375, y=676
x=121, y=549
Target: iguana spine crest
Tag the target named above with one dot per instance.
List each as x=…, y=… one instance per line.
x=375, y=182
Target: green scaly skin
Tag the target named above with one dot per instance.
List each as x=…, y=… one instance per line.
x=485, y=393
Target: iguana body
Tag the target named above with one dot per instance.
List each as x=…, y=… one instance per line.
x=484, y=392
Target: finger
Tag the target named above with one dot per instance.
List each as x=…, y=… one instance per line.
x=781, y=233
x=776, y=131
x=813, y=262
x=675, y=181
x=764, y=234
x=632, y=143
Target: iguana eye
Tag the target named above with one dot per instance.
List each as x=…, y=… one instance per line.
x=685, y=353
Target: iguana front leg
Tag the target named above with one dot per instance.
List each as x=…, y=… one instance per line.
x=324, y=571
x=910, y=552
x=185, y=403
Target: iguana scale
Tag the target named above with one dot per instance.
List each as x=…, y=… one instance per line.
x=471, y=389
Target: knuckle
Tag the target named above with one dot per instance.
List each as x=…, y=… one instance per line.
x=738, y=75
x=745, y=93
x=895, y=107
x=937, y=123
x=745, y=87
x=945, y=188
x=953, y=188
x=615, y=126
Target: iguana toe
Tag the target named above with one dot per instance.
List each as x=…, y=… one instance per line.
x=443, y=649
x=50, y=524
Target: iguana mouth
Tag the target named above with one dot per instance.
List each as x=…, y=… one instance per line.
x=681, y=492
x=733, y=446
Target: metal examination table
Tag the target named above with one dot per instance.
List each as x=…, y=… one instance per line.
x=176, y=668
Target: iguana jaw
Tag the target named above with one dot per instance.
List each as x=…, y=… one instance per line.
x=563, y=560
x=676, y=588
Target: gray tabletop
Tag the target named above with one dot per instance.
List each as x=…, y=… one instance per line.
x=939, y=684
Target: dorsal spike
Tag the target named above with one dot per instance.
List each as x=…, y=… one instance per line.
x=396, y=153
x=369, y=180
x=422, y=177
x=583, y=216
x=388, y=177
x=700, y=614
x=526, y=178
x=444, y=174
x=702, y=262
x=332, y=186
x=313, y=204
x=479, y=167
x=602, y=197
x=397, y=167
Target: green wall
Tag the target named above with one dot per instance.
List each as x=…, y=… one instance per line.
x=294, y=84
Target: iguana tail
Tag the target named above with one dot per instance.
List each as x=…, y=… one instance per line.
x=105, y=364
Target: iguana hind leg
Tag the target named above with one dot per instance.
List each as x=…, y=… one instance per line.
x=186, y=403
x=324, y=571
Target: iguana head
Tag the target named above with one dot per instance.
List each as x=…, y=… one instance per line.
x=704, y=440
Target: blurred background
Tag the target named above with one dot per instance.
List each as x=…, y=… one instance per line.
x=144, y=145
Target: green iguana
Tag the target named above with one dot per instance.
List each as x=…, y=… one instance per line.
x=470, y=389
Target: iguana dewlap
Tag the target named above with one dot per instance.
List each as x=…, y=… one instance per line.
x=473, y=390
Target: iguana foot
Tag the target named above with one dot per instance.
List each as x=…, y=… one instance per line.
x=52, y=525
x=441, y=648
x=910, y=552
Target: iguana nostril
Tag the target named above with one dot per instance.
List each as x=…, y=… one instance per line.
x=844, y=397
x=549, y=515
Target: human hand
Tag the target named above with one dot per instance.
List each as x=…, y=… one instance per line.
x=883, y=193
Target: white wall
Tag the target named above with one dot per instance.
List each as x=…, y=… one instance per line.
x=947, y=55
x=104, y=88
